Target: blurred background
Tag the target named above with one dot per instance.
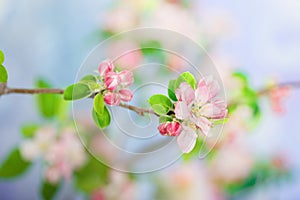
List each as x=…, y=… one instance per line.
x=253, y=44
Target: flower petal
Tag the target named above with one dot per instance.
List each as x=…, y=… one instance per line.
x=182, y=110
x=187, y=140
x=185, y=93
x=202, y=123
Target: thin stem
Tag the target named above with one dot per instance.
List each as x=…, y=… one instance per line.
x=4, y=90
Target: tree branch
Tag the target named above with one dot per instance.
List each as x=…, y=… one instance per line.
x=4, y=90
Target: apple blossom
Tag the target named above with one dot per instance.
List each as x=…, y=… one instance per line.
x=194, y=112
x=115, y=84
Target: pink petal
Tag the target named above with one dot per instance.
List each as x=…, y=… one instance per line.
x=187, y=140
x=112, y=99
x=185, y=93
x=182, y=111
x=126, y=78
x=207, y=89
x=125, y=95
x=111, y=81
x=202, y=123
x=105, y=67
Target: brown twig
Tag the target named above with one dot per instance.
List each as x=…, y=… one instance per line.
x=140, y=111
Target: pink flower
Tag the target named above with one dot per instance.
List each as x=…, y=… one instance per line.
x=111, y=80
x=112, y=99
x=195, y=108
x=125, y=95
x=105, y=67
x=126, y=78
x=277, y=97
x=170, y=128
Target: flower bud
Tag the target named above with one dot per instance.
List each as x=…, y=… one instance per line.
x=105, y=67
x=126, y=78
x=125, y=95
x=112, y=99
x=111, y=81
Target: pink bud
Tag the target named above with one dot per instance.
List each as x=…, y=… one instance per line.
x=125, y=94
x=173, y=129
x=170, y=128
x=126, y=78
x=162, y=128
x=111, y=81
x=105, y=67
x=112, y=99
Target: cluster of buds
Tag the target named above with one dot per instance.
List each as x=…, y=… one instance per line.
x=195, y=112
x=116, y=84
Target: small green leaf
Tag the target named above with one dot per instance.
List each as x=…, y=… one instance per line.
x=91, y=176
x=89, y=78
x=99, y=104
x=160, y=99
x=3, y=74
x=159, y=109
x=1, y=57
x=220, y=121
x=160, y=104
x=172, y=89
x=49, y=190
x=103, y=120
x=165, y=119
x=48, y=104
x=13, y=165
x=28, y=131
x=186, y=77
x=77, y=91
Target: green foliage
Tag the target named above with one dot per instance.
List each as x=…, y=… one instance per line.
x=14, y=165
x=101, y=120
x=186, y=77
x=92, y=176
x=3, y=74
x=77, y=91
x=153, y=49
x=261, y=173
x=28, y=131
x=1, y=57
x=160, y=104
x=165, y=119
x=49, y=190
x=220, y=121
x=48, y=104
x=99, y=104
x=91, y=81
x=172, y=89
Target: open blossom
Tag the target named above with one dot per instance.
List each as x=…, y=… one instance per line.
x=115, y=83
x=195, y=110
x=63, y=152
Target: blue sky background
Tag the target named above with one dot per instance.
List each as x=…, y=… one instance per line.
x=52, y=38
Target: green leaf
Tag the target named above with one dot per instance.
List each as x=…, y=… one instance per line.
x=13, y=165
x=186, y=77
x=99, y=104
x=220, y=121
x=102, y=120
x=172, y=89
x=49, y=190
x=91, y=78
x=165, y=119
x=48, y=104
x=92, y=176
x=77, y=91
x=160, y=104
x=1, y=57
x=3, y=74
x=159, y=109
x=28, y=131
